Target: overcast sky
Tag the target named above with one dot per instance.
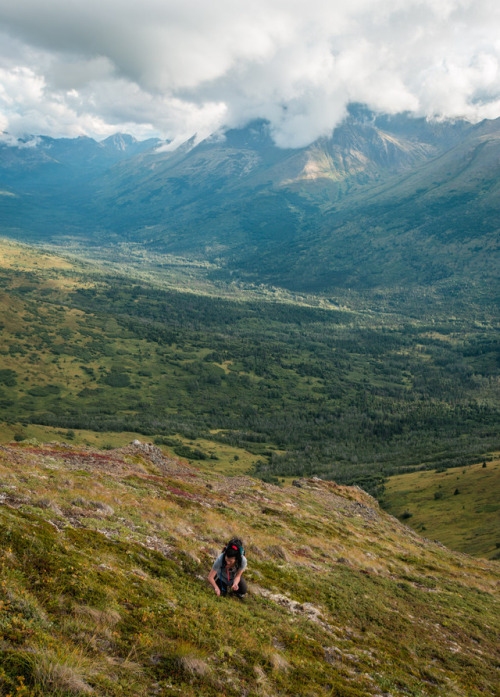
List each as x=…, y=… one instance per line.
x=178, y=67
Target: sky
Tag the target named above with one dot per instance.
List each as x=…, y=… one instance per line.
x=181, y=68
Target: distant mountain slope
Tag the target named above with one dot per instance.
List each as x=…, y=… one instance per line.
x=438, y=222
x=104, y=559
x=383, y=201
x=460, y=505
x=45, y=161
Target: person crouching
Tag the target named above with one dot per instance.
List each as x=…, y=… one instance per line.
x=225, y=575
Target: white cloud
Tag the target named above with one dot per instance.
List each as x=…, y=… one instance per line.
x=179, y=67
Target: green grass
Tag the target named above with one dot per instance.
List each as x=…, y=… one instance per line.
x=103, y=560
x=459, y=507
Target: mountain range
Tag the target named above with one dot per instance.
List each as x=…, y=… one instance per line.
x=384, y=201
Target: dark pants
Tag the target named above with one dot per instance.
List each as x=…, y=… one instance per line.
x=242, y=588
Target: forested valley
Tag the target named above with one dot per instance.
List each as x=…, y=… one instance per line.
x=352, y=394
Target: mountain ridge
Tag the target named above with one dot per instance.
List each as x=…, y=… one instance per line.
x=276, y=216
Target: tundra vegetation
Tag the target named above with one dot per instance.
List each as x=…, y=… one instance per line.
x=103, y=564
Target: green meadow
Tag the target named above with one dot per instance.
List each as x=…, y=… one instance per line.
x=460, y=506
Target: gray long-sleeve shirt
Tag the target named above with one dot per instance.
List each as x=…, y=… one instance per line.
x=223, y=571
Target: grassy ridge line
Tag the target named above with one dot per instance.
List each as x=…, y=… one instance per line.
x=102, y=564
x=226, y=460
x=458, y=507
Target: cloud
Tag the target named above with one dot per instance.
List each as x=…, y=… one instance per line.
x=179, y=67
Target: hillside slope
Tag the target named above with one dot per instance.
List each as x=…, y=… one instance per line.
x=459, y=506
x=104, y=557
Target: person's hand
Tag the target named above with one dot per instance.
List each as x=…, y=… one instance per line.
x=217, y=591
x=235, y=586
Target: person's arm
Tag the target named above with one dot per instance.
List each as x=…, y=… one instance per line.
x=211, y=579
x=236, y=581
